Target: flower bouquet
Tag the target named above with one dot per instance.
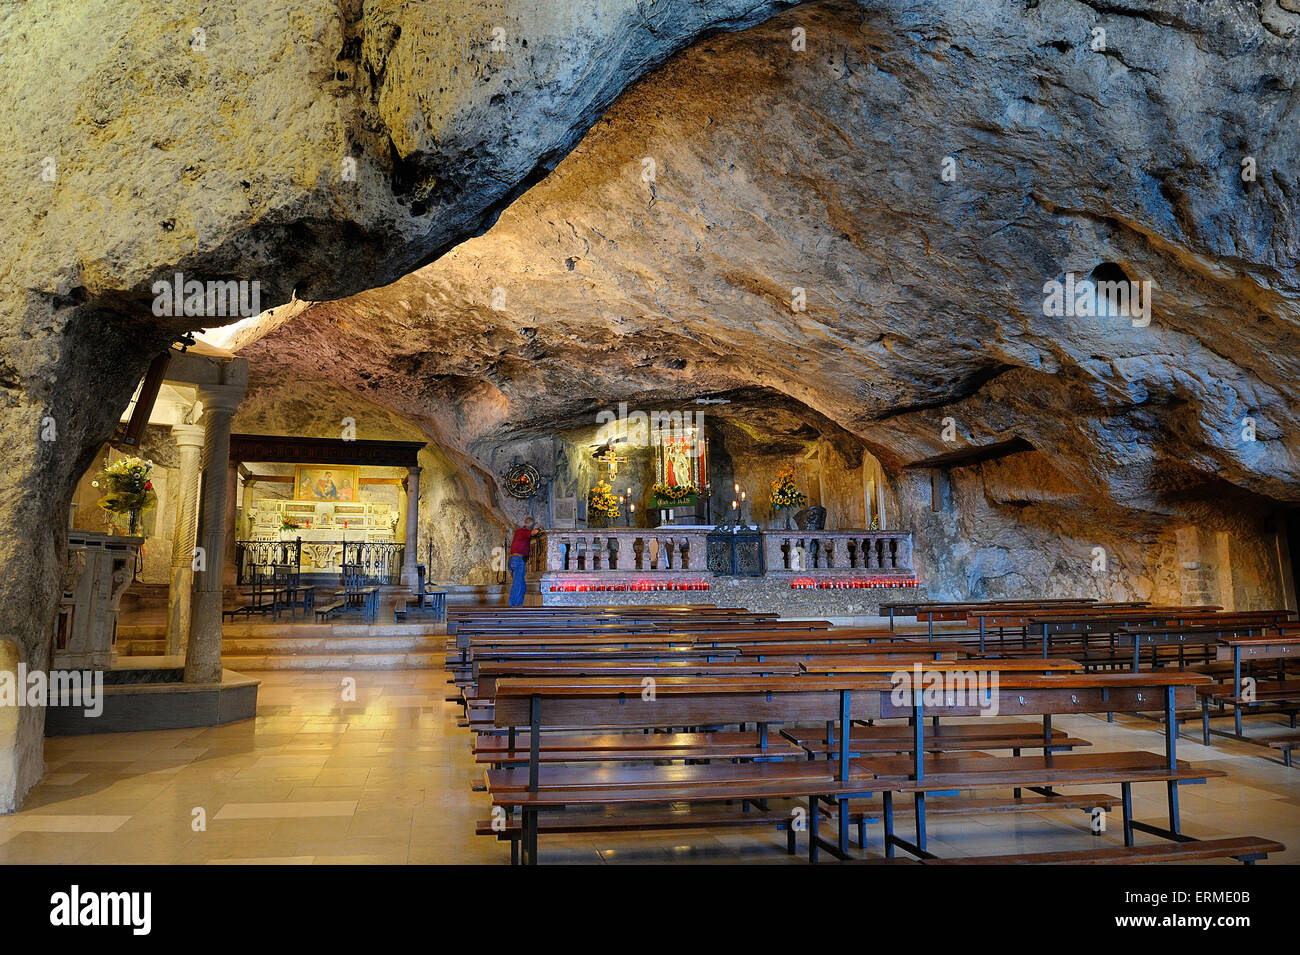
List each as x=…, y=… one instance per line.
x=785, y=494
x=128, y=492
x=602, y=505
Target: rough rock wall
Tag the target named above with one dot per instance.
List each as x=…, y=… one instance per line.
x=924, y=294
x=925, y=302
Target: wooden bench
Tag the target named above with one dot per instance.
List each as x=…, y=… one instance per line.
x=1244, y=849
x=919, y=609
x=696, y=817
x=1028, y=694
x=898, y=738
x=633, y=747
x=535, y=617
x=678, y=701
x=1284, y=695
x=794, y=652
x=717, y=701
x=431, y=601
x=326, y=611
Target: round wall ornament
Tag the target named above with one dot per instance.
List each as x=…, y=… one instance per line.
x=522, y=481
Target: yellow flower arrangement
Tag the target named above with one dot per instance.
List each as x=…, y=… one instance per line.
x=785, y=492
x=601, y=501
x=673, y=493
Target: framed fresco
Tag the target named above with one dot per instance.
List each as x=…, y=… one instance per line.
x=334, y=483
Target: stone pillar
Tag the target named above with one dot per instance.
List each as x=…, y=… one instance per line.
x=229, y=572
x=189, y=441
x=203, y=654
x=410, y=557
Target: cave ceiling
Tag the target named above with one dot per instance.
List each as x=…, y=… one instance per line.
x=659, y=261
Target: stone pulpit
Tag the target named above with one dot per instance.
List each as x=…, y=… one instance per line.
x=100, y=567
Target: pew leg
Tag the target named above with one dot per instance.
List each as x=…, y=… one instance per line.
x=844, y=826
x=530, y=836
x=888, y=813
x=1126, y=799
x=514, y=852
x=919, y=800
x=1174, y=818
x=862, y=819
x=812, y=828
x=1205, y=720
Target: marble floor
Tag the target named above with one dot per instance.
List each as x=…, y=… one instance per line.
x=386, y=779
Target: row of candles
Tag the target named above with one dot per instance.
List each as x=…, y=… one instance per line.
x=807, y=583
x=631, y=508
x=635, y=587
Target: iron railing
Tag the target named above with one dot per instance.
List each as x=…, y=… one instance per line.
x=379, y=562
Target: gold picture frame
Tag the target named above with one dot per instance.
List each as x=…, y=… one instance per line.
x=338, y=483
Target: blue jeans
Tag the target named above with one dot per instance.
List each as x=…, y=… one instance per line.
x=516, y=580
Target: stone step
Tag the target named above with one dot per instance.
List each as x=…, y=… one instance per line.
x=286, y=629
x=416, y=643
x=288, y=646
x=333, y=661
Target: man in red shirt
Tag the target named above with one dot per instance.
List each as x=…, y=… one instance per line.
x=519, y=548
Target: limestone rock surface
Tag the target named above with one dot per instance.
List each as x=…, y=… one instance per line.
x=920, y=172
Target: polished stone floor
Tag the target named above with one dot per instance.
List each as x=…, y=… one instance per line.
x=387, y=779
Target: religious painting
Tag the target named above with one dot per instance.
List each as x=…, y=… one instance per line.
x=334, y=483
x=677, y=462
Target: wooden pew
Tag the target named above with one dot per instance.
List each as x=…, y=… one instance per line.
x=718, y=701
x=1277, y=695
x=577, y=616
x=1245, y=849
x=1027, y=694
x=1205, y=634
x=918, y=609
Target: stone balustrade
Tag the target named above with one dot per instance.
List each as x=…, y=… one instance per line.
x=836, y=552
x=669, y=550
x=624, y=550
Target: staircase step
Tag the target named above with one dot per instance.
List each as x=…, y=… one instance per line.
x=333, y=661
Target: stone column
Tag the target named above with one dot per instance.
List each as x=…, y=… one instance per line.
x=229, y=572
x=189, y=440
x=203, y=654
x=409, y=556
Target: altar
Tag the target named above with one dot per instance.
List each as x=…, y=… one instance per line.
x=320, y=536
x=839, y=573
